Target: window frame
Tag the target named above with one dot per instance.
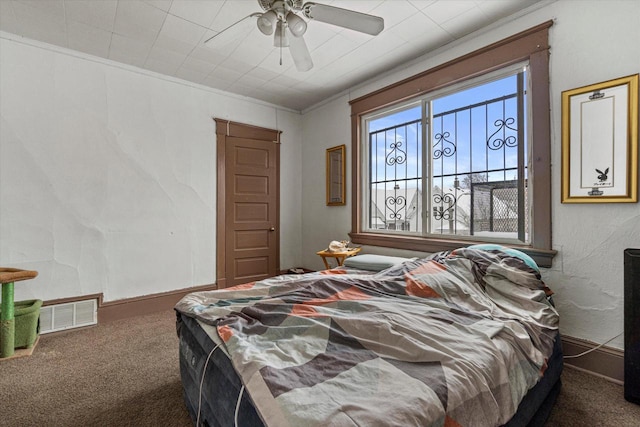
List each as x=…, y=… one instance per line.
x=425, y=103
x=531, y=46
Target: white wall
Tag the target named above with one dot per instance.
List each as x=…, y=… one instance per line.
x=108, y=174
x=591, y=41
x=325, y=127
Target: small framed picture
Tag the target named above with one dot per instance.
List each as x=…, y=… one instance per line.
x=336, y=171
x=600, y=142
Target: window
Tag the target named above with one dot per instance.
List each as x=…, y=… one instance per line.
x=474, y=182
x=458, y=154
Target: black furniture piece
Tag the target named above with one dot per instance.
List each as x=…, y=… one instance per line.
x=632, y=325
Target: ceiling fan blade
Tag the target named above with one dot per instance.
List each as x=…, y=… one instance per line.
x=345, y=18
x=300, y=53
x=233, y=32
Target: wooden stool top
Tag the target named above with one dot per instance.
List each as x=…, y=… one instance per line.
x=345, y=253
x=9, y=275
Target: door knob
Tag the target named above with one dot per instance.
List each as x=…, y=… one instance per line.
x=272, y=229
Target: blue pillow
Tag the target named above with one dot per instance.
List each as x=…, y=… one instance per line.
x=513, y=252
x=373, y=262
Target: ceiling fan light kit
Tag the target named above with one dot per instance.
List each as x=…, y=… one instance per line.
x=296, y=25
x=281, y=39
x=281, y=17
x=266, y=22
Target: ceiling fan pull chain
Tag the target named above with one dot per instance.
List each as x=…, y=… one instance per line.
x=282, y=29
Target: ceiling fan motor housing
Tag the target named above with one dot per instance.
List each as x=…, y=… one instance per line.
x=289, y=4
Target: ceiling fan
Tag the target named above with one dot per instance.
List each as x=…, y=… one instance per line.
x=284, y=19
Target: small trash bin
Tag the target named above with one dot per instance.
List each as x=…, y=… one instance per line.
x=27, y=322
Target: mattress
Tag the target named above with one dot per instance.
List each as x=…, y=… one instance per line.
x=213, y=395
x=467, y=337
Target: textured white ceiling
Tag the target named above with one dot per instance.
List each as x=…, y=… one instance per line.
x=167, y=36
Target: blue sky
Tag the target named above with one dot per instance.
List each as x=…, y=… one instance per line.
x=455, y=129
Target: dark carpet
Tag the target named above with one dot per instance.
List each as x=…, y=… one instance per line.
x=125, y=373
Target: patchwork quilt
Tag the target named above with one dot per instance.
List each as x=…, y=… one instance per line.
x=456, y=339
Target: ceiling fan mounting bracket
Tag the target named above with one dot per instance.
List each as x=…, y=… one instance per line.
x=285, y=6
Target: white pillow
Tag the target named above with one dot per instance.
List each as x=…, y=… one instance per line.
x=373, y=262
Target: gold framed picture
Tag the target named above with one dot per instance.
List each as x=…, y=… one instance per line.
x=336, y=171
x=600, y=142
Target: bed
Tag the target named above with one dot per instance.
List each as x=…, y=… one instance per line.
x=461, y=338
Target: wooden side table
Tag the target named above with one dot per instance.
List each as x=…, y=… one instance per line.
x=338, y=256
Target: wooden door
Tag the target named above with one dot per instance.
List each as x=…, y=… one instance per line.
x=248, y=205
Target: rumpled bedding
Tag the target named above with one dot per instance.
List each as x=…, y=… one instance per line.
x=455, y=339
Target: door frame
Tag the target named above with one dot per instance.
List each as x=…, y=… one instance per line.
x=226, y=128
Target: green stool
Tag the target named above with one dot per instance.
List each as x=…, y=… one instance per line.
x=7, y=310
